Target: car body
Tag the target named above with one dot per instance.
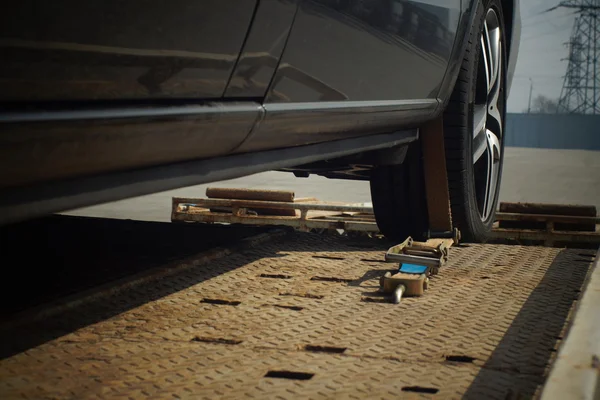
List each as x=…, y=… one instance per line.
x=102, y=100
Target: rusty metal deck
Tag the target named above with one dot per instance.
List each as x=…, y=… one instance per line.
x=298, y=316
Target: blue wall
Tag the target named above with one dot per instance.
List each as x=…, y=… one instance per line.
x=553, y=131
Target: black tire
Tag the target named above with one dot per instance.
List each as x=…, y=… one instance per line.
x=398, y=193
x=458, y=128
x=398, y=196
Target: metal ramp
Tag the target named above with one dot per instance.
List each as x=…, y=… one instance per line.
x=297, y=315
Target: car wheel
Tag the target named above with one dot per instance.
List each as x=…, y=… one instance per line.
x=474, y=126
x=474, y=142
x=398, y=195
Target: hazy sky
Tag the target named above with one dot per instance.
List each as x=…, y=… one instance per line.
x=542, y=48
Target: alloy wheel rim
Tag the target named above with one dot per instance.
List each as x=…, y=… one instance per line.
x=487, y=110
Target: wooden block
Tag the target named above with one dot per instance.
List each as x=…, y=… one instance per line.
x=548, y=209
x=250, y=194
x=259, y=195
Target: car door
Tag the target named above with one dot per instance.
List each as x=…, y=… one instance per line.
x=120, y=50
x=367, y=50
x=353, y=67
x=90, y=87
x=262, y=50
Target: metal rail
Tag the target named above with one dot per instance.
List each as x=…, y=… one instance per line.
x=331, y=216
x=337, y=217
x=248, y=204
x=575, y=373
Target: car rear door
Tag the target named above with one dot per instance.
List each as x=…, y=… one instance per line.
x=366, y=50
x=355, y=67
x=263, y=48
x=120, y=50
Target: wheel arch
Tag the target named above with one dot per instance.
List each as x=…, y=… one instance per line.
x=512, y=24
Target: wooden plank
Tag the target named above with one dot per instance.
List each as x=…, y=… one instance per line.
x=250, y=194
x=254, y=194
x=549, y=209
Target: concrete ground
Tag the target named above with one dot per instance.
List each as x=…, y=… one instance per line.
x=530, y=175
x=551, y=176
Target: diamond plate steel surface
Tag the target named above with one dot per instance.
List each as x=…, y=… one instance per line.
x=300, y=317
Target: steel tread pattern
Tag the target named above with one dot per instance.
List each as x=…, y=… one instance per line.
x=499, y=313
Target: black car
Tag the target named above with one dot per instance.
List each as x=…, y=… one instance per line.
x=102, y=99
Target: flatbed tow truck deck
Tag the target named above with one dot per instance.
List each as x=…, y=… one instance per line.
x=289, y=314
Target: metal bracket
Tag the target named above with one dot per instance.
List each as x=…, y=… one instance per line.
x=417, y=262
x=430, y=255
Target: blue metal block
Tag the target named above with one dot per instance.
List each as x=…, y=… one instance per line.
x=412, y=269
